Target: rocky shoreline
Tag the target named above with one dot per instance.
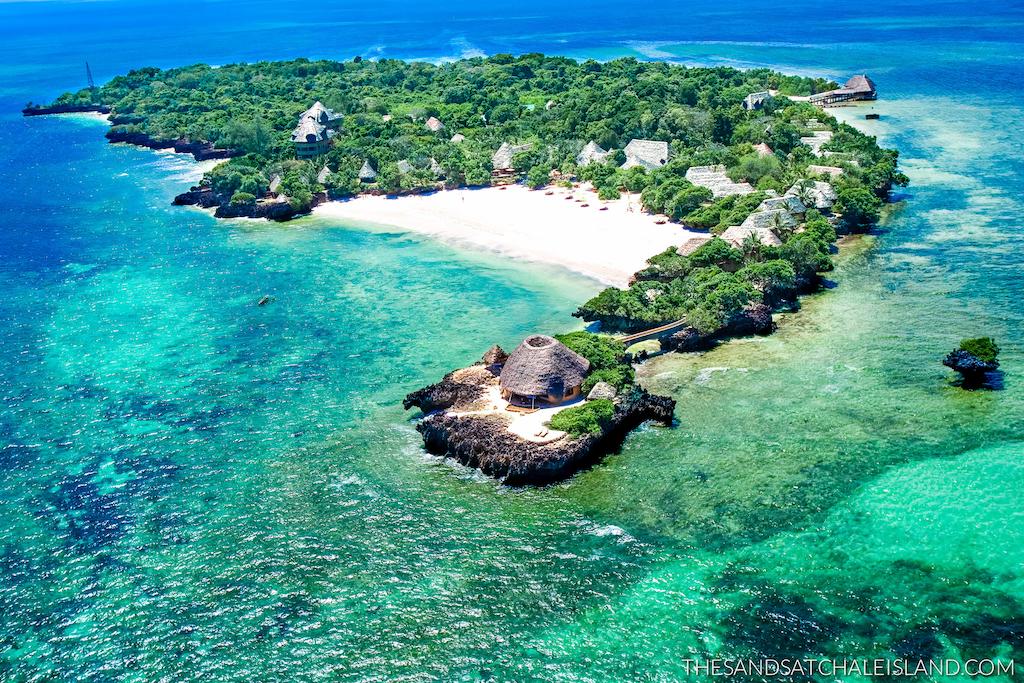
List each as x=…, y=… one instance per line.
x=270, y=209
x=482, y=440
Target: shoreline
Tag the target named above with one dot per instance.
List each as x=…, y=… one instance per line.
x=605, y=241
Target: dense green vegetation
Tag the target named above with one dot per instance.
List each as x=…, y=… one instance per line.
x=714, y=283
x=552, y=106
x=982, y=348
x=607, y=356
x=589, y=418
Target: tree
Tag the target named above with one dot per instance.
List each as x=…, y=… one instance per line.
x=538, y=176
x=859, y=207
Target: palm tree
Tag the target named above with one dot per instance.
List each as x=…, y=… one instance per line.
x=780, y=227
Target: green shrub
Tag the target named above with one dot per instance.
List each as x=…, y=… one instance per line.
x=982, y=348
x=590, y=418
x=243, y=198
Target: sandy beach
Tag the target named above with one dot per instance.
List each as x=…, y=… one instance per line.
x=608, y=245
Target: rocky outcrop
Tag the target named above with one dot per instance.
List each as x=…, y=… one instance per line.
x=485, y=443
x=199, y=149
x=755, y=319
x=269, y=208
x=443, y=395
x=40, y=110
x=976, y=373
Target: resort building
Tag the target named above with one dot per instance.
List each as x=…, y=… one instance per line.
x=816, y=140
x=458, y=137
x=756, y=100
x=858, y=88
x=542, y=371
x=592, y=153
x=649, y=154
x=503, y=172
x=312, y=135
x=832, y=171
x=737, y=235
x=715, y=179
x=434, y=124
x=816, y=194
x=324, y=174
x=693, y=244
x=788, y=203
x=773, y=219
x=366, y=173
x=404, y=167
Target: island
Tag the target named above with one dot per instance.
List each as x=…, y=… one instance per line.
x=541, y=413
x=706, y=199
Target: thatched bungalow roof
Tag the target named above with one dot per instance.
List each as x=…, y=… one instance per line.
x=833, y=171
x=502, y=159
x=756, y=100
x=773, y=218
x=715, y=179
x=763, y=150
x=542, y=365
x=309, y=130
x=649, y=154
x=275, y=182
x=321, y=114
x=435, y=168
x=434, y=124
x=821, y=195
x=862, y=85
x=591, y=153
x=323, y=175
x=404, y=166
x=789, y=203
x=366, y=173
x=693, y=244
x=738, y=234
x=458, y=137
x=816, y=140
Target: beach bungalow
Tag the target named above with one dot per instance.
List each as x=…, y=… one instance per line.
x=831, y=171
x=763, y=150
x=715, y=179
x=458, y=137
x=816, y=140
x=773, y=219
x=649, y=154
x=501, y=160
x=858, y=88
x=693, y=244
x=815, y=194
x=542, y=371
x=324, y=174
x=791, y=204
x=591, y=153
x=366, y=173
x=756, y=100
x=436, y=168
x=312, y=136
x=434, y=125
x=404, y=167
x=275, y=183
x=737, y=235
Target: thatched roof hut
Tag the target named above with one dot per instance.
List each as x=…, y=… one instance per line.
x=715, y=179
x=789, y=203
x=818, y=194
x=738, y=234
x=458, y=137
x=649, y=154
x=502, y=159
x=404, y=166
x=434, y=124
x=543, y=368
x=494, y=356
x=591, y=153
x=831, y=171
x=763, y=150
x=366, y=173
x=324, y=174
x=693, y=244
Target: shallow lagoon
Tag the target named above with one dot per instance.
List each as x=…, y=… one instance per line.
x=196, y=486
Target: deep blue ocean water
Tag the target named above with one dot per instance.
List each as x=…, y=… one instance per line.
x=193, y=487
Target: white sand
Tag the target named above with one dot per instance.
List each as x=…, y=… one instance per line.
x=608, y=246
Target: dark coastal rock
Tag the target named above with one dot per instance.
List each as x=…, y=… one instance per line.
x=687, y=339
x=484, y=442
x=443, y=395
x=976, y=373
x=200, y=150
x=754, y=319
x=201, y=196
x=39, y=110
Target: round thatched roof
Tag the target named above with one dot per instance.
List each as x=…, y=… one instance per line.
x=542, y=365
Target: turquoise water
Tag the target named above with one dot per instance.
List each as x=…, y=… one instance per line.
x=194, y=487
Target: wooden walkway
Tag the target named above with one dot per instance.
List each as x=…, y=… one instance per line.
x=654, y=332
